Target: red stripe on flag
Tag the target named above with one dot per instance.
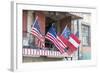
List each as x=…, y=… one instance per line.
x=36, y=34
x=55, y=41
x=75, y=38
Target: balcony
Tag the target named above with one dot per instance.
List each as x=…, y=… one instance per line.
x=29, y=52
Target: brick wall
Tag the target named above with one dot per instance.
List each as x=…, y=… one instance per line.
x=65, y=21
x=24, y=22
x=41, y=18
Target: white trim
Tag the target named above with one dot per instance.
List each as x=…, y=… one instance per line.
x=17, y=63
x=13, y=37
x=37, y=52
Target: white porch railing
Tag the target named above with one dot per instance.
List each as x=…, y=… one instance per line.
x=40, y=52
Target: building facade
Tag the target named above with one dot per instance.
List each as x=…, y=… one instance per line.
x=77, y=22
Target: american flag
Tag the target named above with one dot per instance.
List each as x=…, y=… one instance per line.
x=36, y=32
x=52, y=36
x=39, y=43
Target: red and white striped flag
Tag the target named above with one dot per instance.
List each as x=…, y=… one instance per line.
x=39, y=43
x=73, y=44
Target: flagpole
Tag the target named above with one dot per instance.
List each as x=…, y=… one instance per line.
x=78, y=37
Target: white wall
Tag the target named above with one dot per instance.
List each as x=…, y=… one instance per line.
x=5, y=39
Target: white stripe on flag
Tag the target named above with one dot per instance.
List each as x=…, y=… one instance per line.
x=55, y=41
x=73, y=42
x=61, y=42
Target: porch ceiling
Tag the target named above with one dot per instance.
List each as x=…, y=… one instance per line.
x=61, y=15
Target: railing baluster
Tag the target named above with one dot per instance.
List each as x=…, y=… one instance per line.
x=39, y=52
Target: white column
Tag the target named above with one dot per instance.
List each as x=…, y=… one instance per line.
x=80, y=37
x=75, y=55
x=72, y=26
x=29, y=22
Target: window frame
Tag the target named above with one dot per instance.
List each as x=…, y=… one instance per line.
x=89, y=34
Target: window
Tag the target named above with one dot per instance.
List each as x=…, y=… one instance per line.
x=85, y=35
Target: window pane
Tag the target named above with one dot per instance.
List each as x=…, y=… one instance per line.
x=85, y=35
